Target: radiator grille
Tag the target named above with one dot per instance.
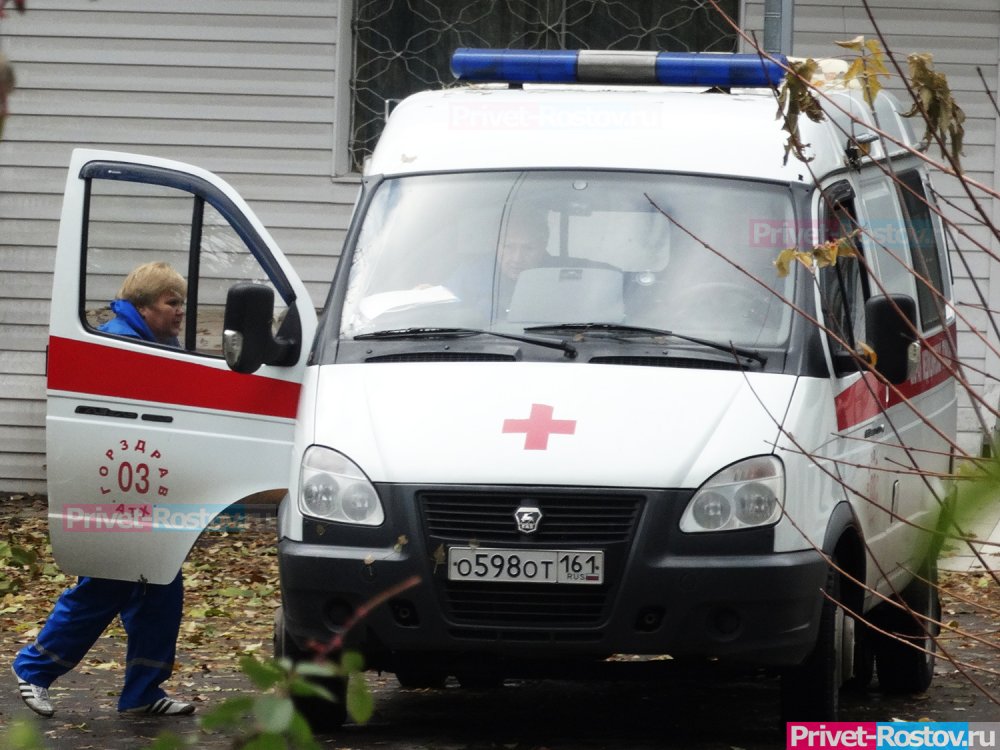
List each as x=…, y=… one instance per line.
x=566, y=519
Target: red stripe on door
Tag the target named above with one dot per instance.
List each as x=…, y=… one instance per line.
x=867, y=397
x=99, y=370
x=860, y=401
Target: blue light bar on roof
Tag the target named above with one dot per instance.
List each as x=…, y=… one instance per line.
x=605, y=66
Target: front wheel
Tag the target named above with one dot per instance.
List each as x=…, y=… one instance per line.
x=811, y=691
x=863, y=668
x=322, y=715
x=907, y=665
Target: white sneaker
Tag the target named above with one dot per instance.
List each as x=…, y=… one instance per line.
x=163, y=707
x=36, y=698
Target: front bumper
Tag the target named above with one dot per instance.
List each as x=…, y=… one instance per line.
x=715, y=595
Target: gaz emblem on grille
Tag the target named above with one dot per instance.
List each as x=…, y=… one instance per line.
x=528, y=518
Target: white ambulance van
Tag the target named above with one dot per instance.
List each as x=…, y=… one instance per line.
x=559, y=402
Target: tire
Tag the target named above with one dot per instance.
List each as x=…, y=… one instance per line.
x=902, y=668
x=864, y=659
x=811, y=691
x=322, y=715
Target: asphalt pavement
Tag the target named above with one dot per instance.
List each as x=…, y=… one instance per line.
x=637, y=706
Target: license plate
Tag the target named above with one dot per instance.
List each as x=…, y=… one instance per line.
x=525, y=565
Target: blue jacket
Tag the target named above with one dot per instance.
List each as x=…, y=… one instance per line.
x=128, y=322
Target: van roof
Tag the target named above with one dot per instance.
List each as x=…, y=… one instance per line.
x=621, y=127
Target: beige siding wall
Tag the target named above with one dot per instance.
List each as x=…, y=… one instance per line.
x=244, y=88
x=963, y=36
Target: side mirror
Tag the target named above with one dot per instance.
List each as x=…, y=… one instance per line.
x=890, y=325
x=247, y=341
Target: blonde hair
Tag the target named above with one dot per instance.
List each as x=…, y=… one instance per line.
x=144, y=285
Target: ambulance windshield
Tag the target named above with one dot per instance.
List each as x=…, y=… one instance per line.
x=507, y=251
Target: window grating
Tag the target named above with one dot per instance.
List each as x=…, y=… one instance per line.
x=404, y=46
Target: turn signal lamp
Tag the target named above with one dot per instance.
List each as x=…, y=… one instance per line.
x=626, y=67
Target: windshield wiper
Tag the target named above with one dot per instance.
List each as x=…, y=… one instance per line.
x=627, y=330
x=431, y=332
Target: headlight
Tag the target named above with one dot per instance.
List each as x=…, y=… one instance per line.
x=332, y=487
x=748, y=493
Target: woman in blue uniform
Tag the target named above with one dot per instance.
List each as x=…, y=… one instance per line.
x=150, y=306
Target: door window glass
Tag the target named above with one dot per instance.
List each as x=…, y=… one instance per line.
x=925, y=249
x=133, y=223
x=844, y=285
x=884, y=236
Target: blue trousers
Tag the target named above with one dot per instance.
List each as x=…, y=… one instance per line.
x=151, y=616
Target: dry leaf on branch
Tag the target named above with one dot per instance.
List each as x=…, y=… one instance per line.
x=795, y=98
x=942, y=115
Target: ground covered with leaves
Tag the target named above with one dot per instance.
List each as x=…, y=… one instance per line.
x=969, y=644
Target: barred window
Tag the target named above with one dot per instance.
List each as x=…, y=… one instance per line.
x=404, y=46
